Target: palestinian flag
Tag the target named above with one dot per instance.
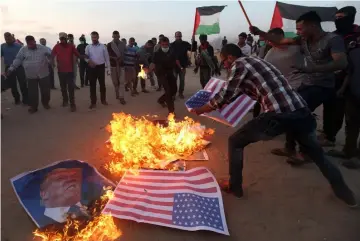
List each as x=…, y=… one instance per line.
x=285, y=16
x=207, y=20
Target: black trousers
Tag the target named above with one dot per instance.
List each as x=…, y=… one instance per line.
x=97, y=74
x=84, y=77
x=168, y=81
x=67, y=87
x=18, y=76
x=352, y=127
x=257, y=110
x=34, y=85
x=51, y=76
x=333, y=116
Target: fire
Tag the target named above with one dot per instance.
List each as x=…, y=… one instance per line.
x=142, y=73
x=139, y=143
x=100, y=228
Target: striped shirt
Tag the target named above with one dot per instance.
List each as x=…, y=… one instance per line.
x=35, y=61
x=262, y=82
x=130, y=56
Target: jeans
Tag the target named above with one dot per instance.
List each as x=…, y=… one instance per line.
x=314, y=97
x=181, y=75
x=168, y=81
x=266, y=126
x=67, y=85
x=352, y=128
x=84, y=77
x=18, y=76
x=97, y=74
x=205, y=75
x=33, y=85
x=333, y=116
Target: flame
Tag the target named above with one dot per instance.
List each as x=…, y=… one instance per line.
x=142, y=73
x=139, y=143
x=100, y=228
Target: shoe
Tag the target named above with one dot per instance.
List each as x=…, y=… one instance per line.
x=158, y=89
x=133, y=93
x=17, y=102
x=282, y=152
x=337, y=154
x=145, y=91
x=53, y=88
x=32, y=110
x=346, y=195
x=73, y=108
x=163, y=104
x=353, y=163
x=25, y=102
x=117, y=97
x=122, y=101
x=104, y=102
x=181, y=96
x=136, y=92
x=65, y=104
x=92, y=106
x=299, y=159
x=77, y=87
x=225, y=187
x=46, y=107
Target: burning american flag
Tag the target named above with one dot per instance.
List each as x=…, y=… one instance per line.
x=189, y=200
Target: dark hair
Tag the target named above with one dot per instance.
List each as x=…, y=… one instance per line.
x=277, y=31
x=70, y=35
x=123, y=39
x=244, y=35
x=150, y=42
x=42, y=39
x=153, y=38
x=29, y=38
x=178, y=32
x=116, y=32
x=94, y=33
x=165, y=39
x=7, y=34
x=310, y=17
x=203, y=37
x=348, y=10
x=161, y=36
x=231, y=49
x=132, y=39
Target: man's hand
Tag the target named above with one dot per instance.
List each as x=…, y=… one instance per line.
x=254, y=30
x=203, y=109
x=91, y=64
x=196, y=70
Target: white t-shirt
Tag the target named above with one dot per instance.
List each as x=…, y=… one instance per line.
x=246, y=49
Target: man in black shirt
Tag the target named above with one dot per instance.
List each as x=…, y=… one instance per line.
x=224, y=42
x=180, y=49
x=164, y=62
x=84, y=79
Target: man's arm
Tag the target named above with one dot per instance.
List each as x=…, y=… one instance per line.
x=338, y=54
x=275, y=39
x=111, y=55
x=107, y=58
x=227, y=94
x=18, y=59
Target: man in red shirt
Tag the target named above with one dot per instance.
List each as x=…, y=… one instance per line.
x=64, y=53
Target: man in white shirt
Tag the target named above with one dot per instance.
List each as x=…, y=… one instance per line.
x=98, y=58
x=245, y=48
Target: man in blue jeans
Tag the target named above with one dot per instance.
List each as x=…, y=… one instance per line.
x=284, y=111
x=324, y=53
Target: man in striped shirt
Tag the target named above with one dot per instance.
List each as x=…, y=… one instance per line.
x=129, y=63
x=284, y=111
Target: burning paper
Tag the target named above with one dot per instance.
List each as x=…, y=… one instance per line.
x=142, y=73
x=66, y=188
x=137, y=143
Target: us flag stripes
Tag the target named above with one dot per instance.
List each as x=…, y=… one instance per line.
x=189, y=200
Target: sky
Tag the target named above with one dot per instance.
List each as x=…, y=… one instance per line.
x=139, y=19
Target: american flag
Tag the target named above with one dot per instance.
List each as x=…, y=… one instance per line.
x=231, y=114
x=189, y=200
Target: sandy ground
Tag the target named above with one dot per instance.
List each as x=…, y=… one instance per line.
x=281, y=202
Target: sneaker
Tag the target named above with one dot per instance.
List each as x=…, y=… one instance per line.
x=145, y=91
x=77, y=87
x=32, y=110
x=92, y=106
x=225, y=187
x=104, y=102
x=122, y=101
x=353, y=163
x=299, y=159
x=47, y=107
x=73, y=108
x=181, y=96
x=346, y=195
x=282, y=152
x=163, y=104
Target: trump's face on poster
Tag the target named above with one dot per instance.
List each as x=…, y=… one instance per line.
x=61, y=187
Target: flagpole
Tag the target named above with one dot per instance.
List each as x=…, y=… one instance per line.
x=193, y=35
x=246, y=16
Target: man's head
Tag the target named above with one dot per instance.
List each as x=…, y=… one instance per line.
x=224, y=37
x=30, y=42
x=116, y=36
x=71, y=38
x=154, y=40
x=178, y=36
x=308, y=24
x=278, y=32
x=149, y=44
x=94, y=37
x=242, y=38
x=164, y=43
x=61, y=187
x=82, y=39
x=124, y=40
x=63, y=38
x=9, y=39
x=229, y=53
x=344, y=19
x=250, y=39
x=43, y=41
x=160, y=37
x=131, y=41
x=135, y=44
x=203, y=38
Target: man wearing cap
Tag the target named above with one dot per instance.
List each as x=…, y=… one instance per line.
x=64, y=53
x=84, y=78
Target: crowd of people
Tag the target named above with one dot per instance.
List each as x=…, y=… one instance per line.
x=288, y=77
